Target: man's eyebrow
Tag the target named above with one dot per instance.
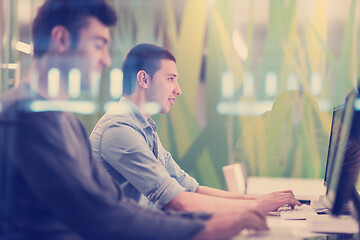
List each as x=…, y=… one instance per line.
x=103, y=39
x=172, y=75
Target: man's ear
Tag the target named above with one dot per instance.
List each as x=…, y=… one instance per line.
x=60, y=39
x=143, y=79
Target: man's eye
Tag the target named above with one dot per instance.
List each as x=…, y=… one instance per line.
x=99, y=44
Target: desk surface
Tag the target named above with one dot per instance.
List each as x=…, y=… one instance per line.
x=291, y=230
x=304, y=189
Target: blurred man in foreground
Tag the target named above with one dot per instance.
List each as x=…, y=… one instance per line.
x=50, y=185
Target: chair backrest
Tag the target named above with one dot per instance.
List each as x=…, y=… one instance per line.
x=235, y=177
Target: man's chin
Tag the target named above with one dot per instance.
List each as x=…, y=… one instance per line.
x=165, y=110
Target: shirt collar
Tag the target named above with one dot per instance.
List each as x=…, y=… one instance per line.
x=137, y=114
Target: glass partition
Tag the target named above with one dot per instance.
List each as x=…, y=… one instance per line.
x=259, y=78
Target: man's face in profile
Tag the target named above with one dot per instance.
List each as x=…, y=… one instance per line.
x=91, y=55
x=94, y=41
x=164, y=87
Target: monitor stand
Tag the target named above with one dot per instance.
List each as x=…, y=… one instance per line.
x=355, y=197
x=338, y=224
x=320, y=203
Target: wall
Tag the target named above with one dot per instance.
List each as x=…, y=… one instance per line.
x=259, y=78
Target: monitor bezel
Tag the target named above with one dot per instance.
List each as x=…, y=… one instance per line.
x=340, y=192
x=332, y=141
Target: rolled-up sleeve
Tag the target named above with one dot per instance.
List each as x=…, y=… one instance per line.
x=184, y=179
x=127, y=151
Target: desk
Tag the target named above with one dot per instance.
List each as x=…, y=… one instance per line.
x=303, y=188
x=291, y=230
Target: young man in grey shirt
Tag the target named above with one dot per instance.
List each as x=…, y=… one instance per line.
x=126, y=142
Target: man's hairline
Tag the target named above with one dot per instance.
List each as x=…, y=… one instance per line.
x=160, y=65
x=86, y=24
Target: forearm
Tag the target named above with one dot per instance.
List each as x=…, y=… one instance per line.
x=189, y=201
x=226, y=225
x=222, y=194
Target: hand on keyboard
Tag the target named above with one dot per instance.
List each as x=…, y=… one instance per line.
x=297, y=213
x=272, y=201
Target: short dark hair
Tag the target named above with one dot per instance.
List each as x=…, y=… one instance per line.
x=145, y=57
x=72, y=14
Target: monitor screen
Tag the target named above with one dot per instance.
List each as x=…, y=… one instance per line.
x=344, y=171
x=333, y=140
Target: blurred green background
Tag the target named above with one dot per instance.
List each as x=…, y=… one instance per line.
x=259, y=77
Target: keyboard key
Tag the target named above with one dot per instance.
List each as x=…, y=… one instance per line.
x=298, y=213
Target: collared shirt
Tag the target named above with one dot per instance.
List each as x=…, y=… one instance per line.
x=128, y=146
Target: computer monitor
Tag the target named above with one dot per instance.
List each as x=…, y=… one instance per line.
x=345, y=159
x=337, y=115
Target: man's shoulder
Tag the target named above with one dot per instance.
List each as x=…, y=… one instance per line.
x=10, y=97
x=14, y=102
x=122, y=117
x=16, y=106
x=109, y=119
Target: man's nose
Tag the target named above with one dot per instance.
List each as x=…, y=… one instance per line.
x=177, y=89
x=106, y=59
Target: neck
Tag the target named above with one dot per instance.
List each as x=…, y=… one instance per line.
x=38, y=78
x=140, y=101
